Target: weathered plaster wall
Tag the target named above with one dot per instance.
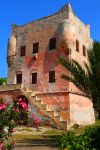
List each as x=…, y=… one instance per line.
x=81, y=111
x=66, y=27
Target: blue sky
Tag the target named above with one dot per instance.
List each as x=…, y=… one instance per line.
x=23, y=11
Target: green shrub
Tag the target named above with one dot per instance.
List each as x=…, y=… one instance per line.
x=94, y=134
x=76, y=126
x=65, y=140
x=71, y=141
x=89, y=140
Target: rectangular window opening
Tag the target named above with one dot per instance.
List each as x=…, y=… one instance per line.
x=52, y=76
x=35, y=47
x=77, y=45
x=52, y=44
x=34, y=78
x=23, y=50
x=84, y=50
x=19, y=78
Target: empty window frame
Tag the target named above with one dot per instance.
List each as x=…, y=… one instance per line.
x=34, y=78
x=52, y=44
x=84, y=50
x=23, y=50
x=77, y=45
x=35, y=47
x=51, y=76
x=19, y=78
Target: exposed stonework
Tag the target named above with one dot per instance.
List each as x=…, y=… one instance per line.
x=66, y=28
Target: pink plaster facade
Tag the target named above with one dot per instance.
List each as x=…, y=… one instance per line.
x=66, y=28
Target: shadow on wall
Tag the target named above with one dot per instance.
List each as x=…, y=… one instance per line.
x=61, y=49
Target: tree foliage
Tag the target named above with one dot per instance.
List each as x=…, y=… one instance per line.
x=3, y=81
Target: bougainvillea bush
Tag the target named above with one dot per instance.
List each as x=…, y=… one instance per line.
x=21, y=107
x=8, y=120
x=35, y=121
x=12, y=115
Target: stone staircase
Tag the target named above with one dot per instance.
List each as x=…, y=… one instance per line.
x=46, y=109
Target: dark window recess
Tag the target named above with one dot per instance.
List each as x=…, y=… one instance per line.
x=52, y=76
x=84, y=50
x=52, y=44
x=34, y=78
x=77, y=45
x=23, y=50
x=35, y=47
x=19, y=78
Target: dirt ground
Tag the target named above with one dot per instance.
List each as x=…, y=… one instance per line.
x=36, y=148
x=36, y=144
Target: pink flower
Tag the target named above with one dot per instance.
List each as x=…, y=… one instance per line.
x=37, y=121
x=0, y=146
x=2, y=106
x=24, y=105
x=13, y=130
x=33, y=116
x=14, y=143
x=21, y=121
x=17, y=110
x=18, y=103
x=20, y=99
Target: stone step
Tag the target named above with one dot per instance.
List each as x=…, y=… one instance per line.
x=29, y=91
x=43, y=106
x=32, y=94
x=51, y=113
x=58, y=117
x=38, y=101
x=64, y=123
x=62, y=119
x=56, y=113
x=39, y=104
x=48, y=108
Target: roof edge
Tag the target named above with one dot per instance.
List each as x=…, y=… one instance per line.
x=67, y=7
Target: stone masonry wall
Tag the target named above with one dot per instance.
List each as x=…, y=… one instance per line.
x=66, y=27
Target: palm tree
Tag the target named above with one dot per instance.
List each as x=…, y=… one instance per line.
x=87, y=78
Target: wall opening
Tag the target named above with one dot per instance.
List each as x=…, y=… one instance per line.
x=19, y=77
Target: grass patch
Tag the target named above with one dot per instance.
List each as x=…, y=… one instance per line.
x=81, y=130
x=97, y=122
x=26, y=129
x=28, y=136
x=54, y=132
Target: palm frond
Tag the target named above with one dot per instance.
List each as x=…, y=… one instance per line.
x=86, y=78
x=81, y=89
x=79, y=77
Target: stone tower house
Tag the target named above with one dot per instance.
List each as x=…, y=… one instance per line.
x=33, y=70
